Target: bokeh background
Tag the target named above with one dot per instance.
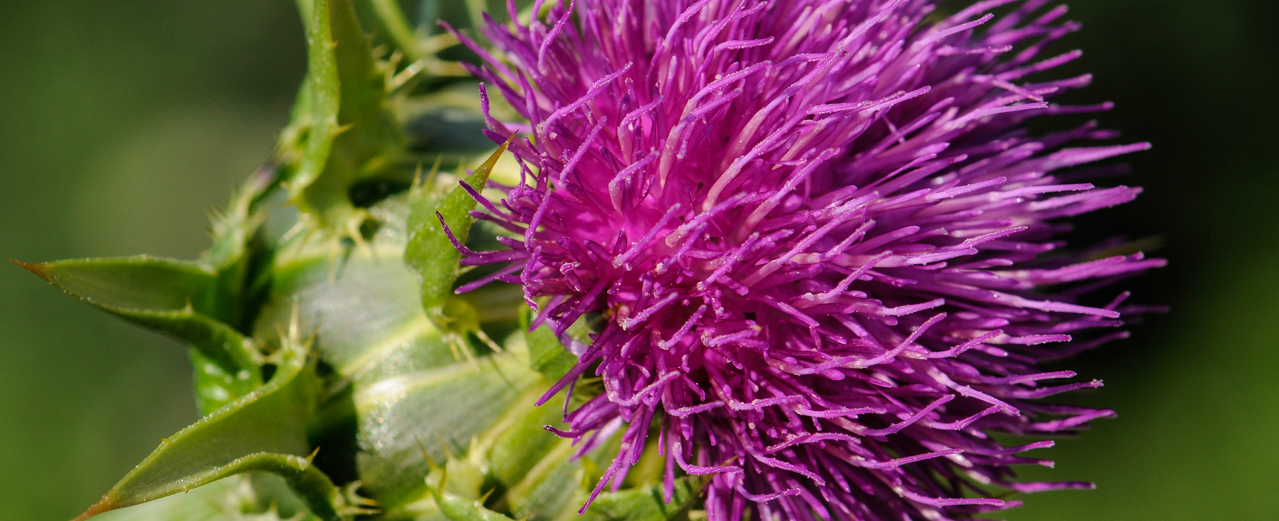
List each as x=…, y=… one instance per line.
x=122, y=124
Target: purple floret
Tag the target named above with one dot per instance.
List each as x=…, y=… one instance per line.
x=822, y=239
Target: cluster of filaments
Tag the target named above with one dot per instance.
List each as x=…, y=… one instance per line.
x=815, y=229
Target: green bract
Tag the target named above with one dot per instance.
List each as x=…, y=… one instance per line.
x=338, y=374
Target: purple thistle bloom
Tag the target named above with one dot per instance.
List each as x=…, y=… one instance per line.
x=817, y=230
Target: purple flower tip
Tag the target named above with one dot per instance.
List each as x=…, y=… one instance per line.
x=817, y=231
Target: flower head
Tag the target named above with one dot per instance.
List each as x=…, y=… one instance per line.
x=820, y=235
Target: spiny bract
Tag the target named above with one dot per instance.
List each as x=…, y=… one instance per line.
x=337, y=374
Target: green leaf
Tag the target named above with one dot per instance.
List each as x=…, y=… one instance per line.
x=141, y=283
x=215, y=387
x=548, y=489
x=364, y=312
x=233, y=228
x=547, y=354
x=342, y=131
x=214, y=339
x=315, y=115
x=430, y=252
x=249, y=497
x=174, y=297
x=265, y=430
x=362, y=83
x=558, y=486
x=315, y=489
x=207, y=503
x=410, y=392
x=461, y=509
x=311, y=484
x=524, y=445
x=405, y=420
x=197, y=302
x=455, y=489
x=643, y=503
x=234, y=254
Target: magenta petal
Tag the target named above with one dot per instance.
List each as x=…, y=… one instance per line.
x=819, y=233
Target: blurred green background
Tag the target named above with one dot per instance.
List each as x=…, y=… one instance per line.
x=123, y=123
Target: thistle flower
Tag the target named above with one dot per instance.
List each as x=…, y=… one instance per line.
x=820, y=235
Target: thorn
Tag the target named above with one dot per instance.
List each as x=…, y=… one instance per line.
x=352, y=504
x=392, y=62
x=489, y=163
x=400, y=79
x=448, y=453
x=40, y=270
x=311, y=458
x=430, y=462
x=465, y=347
x=103, y=505
x=335, y=250
x=488, y=340
x=296, y=229
x=485, y=496
x=294, y=320
x=416, y=187
x=353, y=231
x=356, y=498
x=274, y=357
x=435, y=171
x=457, y=355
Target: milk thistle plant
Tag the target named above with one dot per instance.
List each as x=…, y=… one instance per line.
x=755, y=259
